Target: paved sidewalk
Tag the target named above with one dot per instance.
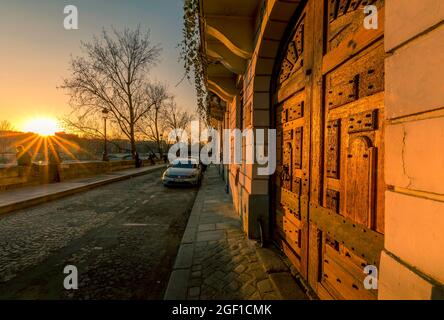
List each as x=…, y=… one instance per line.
x=217, y=262
x=21, y=198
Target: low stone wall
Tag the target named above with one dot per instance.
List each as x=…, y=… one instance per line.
x=16, y=177
x=11, y=177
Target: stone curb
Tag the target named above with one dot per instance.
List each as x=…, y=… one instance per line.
x=177, y=288
x=57, y=195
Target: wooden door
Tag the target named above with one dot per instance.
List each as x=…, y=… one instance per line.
x=340, y=203
x=292, y=121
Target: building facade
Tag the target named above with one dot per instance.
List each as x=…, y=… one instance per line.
x=356, y=96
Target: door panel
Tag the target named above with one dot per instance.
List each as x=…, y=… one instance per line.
x=293, y=132
x=353, y=151
x=329, y=109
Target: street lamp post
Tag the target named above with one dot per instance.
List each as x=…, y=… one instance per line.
x=105, y=149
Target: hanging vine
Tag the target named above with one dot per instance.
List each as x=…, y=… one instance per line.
x=195, y=62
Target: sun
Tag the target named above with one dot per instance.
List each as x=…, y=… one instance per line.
x=42, y=126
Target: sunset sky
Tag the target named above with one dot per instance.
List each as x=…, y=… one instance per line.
x=35, y=50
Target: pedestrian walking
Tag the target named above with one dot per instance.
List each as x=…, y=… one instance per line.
x=152, y=157
x=138, y=160
x=54, y=162
x=24, y=158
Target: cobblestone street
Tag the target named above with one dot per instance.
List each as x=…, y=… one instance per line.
x=123, y=238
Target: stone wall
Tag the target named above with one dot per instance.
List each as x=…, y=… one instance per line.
x=12, y=177
x=15, y=177
x=413, y=261
x=251, y=195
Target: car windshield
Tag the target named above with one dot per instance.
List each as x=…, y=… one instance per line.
x=184, y=165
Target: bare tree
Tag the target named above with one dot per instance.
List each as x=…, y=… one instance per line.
x=152, y=126
x=176, y=119
x=112, y=75
x=90, y=126
x=6, y=129
x=5, y=125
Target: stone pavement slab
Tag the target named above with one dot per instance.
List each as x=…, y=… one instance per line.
x=216, y=261
x=16, y=199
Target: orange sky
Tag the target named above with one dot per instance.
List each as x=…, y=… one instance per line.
x=36, y=50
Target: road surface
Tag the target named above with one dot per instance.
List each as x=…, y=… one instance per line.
x=122, y=238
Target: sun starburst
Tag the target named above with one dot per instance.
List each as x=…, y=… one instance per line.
x=42, y=126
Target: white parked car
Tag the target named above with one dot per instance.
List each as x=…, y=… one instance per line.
x=183, y=171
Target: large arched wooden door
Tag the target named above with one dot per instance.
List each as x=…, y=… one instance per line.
x=329, y=115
